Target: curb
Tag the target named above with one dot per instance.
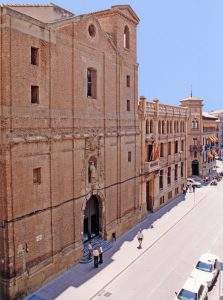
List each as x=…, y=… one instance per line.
x=221, y=283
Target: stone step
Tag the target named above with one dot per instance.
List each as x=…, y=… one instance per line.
x=96, y=241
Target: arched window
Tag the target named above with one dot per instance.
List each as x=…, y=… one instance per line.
x=171, y=127
x=167, y=127
x=91, y=83
x=126, y=37
x=151, y=126
x=159, y=127
x=147, y=127
x=163, y=127
x=195, y=124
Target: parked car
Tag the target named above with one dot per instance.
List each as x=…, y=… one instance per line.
x=206, y=269
x=191, y=181
x=193, y=289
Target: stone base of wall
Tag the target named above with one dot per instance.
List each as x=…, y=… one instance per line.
x=123, y=224
x=17, y=287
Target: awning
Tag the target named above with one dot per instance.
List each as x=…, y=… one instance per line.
x=211, y=139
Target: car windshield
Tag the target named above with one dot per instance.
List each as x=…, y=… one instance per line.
x=204, y=266
x=187, y=295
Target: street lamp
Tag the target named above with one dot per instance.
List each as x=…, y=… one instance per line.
x=194, y=195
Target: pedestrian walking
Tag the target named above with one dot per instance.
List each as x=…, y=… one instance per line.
x=193, y=186
x=96, y=257
x=100, y=255
x=90, y=249
x=140, y=238
x=184, y=190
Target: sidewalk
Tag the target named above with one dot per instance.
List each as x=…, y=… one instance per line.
x=82, y=281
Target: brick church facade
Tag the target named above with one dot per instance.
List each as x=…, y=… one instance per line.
x=70, y=137
x=81, y=155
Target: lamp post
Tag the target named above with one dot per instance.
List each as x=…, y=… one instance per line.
x=194, y=195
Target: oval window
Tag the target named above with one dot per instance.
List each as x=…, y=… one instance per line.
x=92, y=30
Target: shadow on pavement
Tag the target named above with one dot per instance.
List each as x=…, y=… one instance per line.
x=81, y=273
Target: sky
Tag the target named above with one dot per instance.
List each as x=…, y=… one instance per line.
x=180, y=44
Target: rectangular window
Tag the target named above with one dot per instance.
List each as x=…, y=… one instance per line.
x=161, y=149
x=169, y=175
x=161, y=200
x=128, y=105
x=169, y=148
x=129, y=156
x=91, y=83
x=149, y=152
x=176, y=191
x=34, y=94
x=37, y=176
x=176, y=147
x=128, y=80
x=161, y=180
x=176, y=172
x=34, y=56
x=182, y=145
x=182, y=169
x=170, y=195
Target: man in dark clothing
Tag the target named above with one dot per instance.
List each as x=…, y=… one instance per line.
x=96, y=257
x=100, y=255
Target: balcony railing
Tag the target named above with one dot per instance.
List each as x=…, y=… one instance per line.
x=151, y=166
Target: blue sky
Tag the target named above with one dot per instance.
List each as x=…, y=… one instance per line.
x=180, y=43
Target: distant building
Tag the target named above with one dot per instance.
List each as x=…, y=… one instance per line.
x=164, y=152
x=219, y=114
x=194, y=135
x=210, y=142
x=202, y=138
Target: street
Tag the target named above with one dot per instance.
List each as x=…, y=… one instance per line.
x=163, y=269
x=181, y=232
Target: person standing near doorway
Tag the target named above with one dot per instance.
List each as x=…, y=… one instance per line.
x=100, y=255
x=96, y=257
x=90, y=249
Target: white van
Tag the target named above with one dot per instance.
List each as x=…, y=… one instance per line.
x=193, y=290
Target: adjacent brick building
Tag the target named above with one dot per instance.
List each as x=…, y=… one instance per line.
x=164, y=152
x=219, y=113
x=202, y=138
x=70, y=137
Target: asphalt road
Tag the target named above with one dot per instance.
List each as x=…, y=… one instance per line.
x=164, y=267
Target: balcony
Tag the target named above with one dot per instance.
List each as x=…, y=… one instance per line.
x=196, y=148
x=151, y=166
x=150, y=137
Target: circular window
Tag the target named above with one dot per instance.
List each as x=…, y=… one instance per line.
x=92, y=30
